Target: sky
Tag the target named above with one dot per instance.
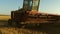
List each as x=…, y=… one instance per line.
x=46, y=6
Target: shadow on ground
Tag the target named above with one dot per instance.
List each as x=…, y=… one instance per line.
x=48, y=28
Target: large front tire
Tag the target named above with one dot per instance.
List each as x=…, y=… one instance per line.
x=11, y=22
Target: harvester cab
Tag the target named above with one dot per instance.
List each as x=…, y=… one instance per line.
x=31, y=4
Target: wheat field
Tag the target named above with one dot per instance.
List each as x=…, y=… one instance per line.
x=5, y=30
x=4, y=17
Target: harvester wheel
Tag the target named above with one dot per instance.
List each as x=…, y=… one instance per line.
x=11, y=22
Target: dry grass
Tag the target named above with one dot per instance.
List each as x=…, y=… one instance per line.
x=4, y=17
x=19, y=31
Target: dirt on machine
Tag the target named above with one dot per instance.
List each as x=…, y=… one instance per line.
x=28, y=15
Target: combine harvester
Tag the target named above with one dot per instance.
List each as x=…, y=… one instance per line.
x=28, y=15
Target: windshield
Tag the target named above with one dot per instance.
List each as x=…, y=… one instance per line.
x=35, y=3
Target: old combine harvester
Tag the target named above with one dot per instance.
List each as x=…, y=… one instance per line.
x=28, y=15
